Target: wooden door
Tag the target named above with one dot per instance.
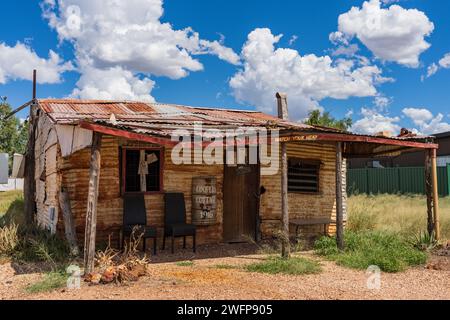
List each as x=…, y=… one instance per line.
x=240, y=202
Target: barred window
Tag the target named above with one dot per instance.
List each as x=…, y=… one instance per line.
x=303, y=175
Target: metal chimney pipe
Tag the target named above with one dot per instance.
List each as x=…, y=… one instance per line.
x=282, y=106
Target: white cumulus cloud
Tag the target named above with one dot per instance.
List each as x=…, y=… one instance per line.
x=128, y=35
x=392, y=34
x=373, y=122
x=113, y=84
x=306, y=79
x=425, y=121
x=445, y=61
x=18, y=62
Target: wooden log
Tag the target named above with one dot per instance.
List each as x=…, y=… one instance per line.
x=339, y=199
x=91, y=211
x=286, y=246
x=437, y=231
x=429, y=192
x=29, y=189
x=286, y=249
x=69, y=224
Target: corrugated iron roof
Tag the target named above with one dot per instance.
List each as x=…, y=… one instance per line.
x=69, y=111
x=161, y=119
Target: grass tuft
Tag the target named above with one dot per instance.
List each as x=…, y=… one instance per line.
x=390, y=252
x=292, y=266
x=225, y=266
x=185, y=264
x=51, y=281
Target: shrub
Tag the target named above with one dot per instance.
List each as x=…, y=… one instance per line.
x=388, y=251
x=38, y=245
x=292, y=266
x=424, y=241
x=51, y=281
x=9, y=239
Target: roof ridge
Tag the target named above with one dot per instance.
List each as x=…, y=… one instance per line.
x=94, y=101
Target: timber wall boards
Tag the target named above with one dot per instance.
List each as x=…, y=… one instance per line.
x=73, y=173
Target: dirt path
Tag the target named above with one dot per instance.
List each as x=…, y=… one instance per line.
x=204, y=280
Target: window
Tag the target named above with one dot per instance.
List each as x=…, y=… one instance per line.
x=303, y=175
x=142, y=170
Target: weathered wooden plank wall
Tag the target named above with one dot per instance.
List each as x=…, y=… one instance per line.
x=302, y=205
x=46, y=171
x=75, y=172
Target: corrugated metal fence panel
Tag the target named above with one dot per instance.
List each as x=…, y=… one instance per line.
x=357, y=181
x=394, y=180
x=412, y=180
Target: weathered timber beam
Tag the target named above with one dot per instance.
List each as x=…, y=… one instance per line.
x=286, y=247
x=437, y=231
x=429, y=192
x=91, y=212
x=339, y=198
x=69, y=224
x=342, y=137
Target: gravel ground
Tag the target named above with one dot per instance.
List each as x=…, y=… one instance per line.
x=204, y=280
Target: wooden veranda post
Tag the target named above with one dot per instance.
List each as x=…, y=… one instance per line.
x=437, y=231
x=91, y=211
x=429, y=192
x=339, y=198
x=283, y=114
x=29, y=189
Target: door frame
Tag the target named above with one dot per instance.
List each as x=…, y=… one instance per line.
x=256, y=232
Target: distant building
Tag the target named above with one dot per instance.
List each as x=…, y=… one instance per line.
x=412, y=159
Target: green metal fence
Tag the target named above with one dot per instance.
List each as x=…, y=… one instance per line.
x=395, y=180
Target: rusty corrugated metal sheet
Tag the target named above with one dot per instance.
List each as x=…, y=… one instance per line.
x=162, y=119
x=68, y=111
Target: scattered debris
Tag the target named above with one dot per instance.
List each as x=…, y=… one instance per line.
x=114, y=266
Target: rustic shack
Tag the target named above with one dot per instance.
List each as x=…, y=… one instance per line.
x=87, y=155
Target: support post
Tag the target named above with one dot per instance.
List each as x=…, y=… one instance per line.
x=286, y=246
x=91, y=211
x=437, y=231
x=429, y=192
x=339, y=199
x=29, y=189
x=69, y=225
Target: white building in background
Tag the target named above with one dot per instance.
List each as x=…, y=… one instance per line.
x=4, y=174
x=15, y=182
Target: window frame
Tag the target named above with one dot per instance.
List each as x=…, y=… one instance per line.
x=317, y=162
x=124, y=168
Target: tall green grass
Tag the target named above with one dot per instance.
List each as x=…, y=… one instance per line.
x=402, y=214
x=389, y=251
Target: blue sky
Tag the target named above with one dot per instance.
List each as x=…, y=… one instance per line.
x=237, y=60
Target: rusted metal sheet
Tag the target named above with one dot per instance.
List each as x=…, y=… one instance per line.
x=162, y=119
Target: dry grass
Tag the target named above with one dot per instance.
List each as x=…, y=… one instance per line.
x=405, y=215
x=11, y=207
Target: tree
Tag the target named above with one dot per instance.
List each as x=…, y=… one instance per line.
x=317, y=118
x=13, y=133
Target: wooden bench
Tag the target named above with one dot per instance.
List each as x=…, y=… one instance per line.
x=310, y=222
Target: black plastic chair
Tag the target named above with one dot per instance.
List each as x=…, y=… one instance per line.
x=135, y=217
x=175, y=225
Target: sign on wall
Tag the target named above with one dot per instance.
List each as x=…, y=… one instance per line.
x=204, y=194
x=4, y=168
